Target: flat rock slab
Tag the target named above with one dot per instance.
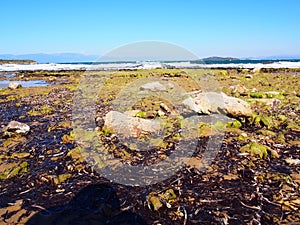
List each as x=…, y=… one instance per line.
x=153, y=86
x=127, y=125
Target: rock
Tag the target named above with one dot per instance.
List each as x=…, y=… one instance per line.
x=240, y=89
x=258, y=95
x=17, y=127
x=273, y=102
x=256, y=70
x=214, y=102
x=292, y=161
x=14, y=85
x=170, y=85
x=153, y=86
x=164, y=107
x=248, y=76
x=255, y=149
x=272, y=93
x=132, y=112
x=160, y=113
x=130, y=126
x=254, y=90
x=234, y=124
x=8, y=170
x=190, y=103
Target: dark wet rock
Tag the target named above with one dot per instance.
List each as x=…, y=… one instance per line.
x=14, y=85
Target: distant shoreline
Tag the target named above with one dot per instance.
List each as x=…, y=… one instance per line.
x=18, y=61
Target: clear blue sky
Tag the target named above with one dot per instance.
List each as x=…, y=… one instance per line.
x=206, y=27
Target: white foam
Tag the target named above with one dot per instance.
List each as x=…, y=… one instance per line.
x=140, y=65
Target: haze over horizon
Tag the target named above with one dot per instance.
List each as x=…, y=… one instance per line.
x=206, y=28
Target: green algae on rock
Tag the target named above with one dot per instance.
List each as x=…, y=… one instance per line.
x=9, y=170
x=255, y=149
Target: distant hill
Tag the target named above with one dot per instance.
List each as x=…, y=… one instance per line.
x=52, y=58
x=217, y=58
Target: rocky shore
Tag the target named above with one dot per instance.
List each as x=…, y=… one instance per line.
x=15, y=61
x=254, y=178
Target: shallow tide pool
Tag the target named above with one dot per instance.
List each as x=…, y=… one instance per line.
x=29, y=83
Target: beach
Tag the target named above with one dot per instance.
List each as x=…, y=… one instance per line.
x=254, y=172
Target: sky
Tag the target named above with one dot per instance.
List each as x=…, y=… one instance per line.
x=237, y=28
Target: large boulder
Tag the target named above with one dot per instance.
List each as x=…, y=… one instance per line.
x=130, y=126
x=215, y=102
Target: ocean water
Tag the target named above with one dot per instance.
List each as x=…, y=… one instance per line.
x=239, y=61
x=245, y=63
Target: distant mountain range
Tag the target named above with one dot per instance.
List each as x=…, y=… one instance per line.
x=76, y=57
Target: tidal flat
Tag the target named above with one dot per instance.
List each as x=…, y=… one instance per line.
x=254, y=178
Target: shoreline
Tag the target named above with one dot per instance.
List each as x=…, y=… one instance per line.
x=145, y=65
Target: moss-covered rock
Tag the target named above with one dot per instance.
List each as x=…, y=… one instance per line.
x=255, y=149
x=266, y=133
x=9, y=170
x=61, y=178
x=280, y=138
x=234, y=124
x=263, y=120
x=293, y=126
x=258, y=95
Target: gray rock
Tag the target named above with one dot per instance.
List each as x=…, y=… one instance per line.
x=131, y=112
x=256, y=70
x=272, y=93
x=14, y=85
x=130, y=126
x=153, y=86
x=191, y=104
x=17, y=127
x=214, y=102
x=164, y=107
x=241, y=89
x=236, y=107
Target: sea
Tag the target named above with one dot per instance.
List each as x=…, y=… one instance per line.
x=133, y=65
